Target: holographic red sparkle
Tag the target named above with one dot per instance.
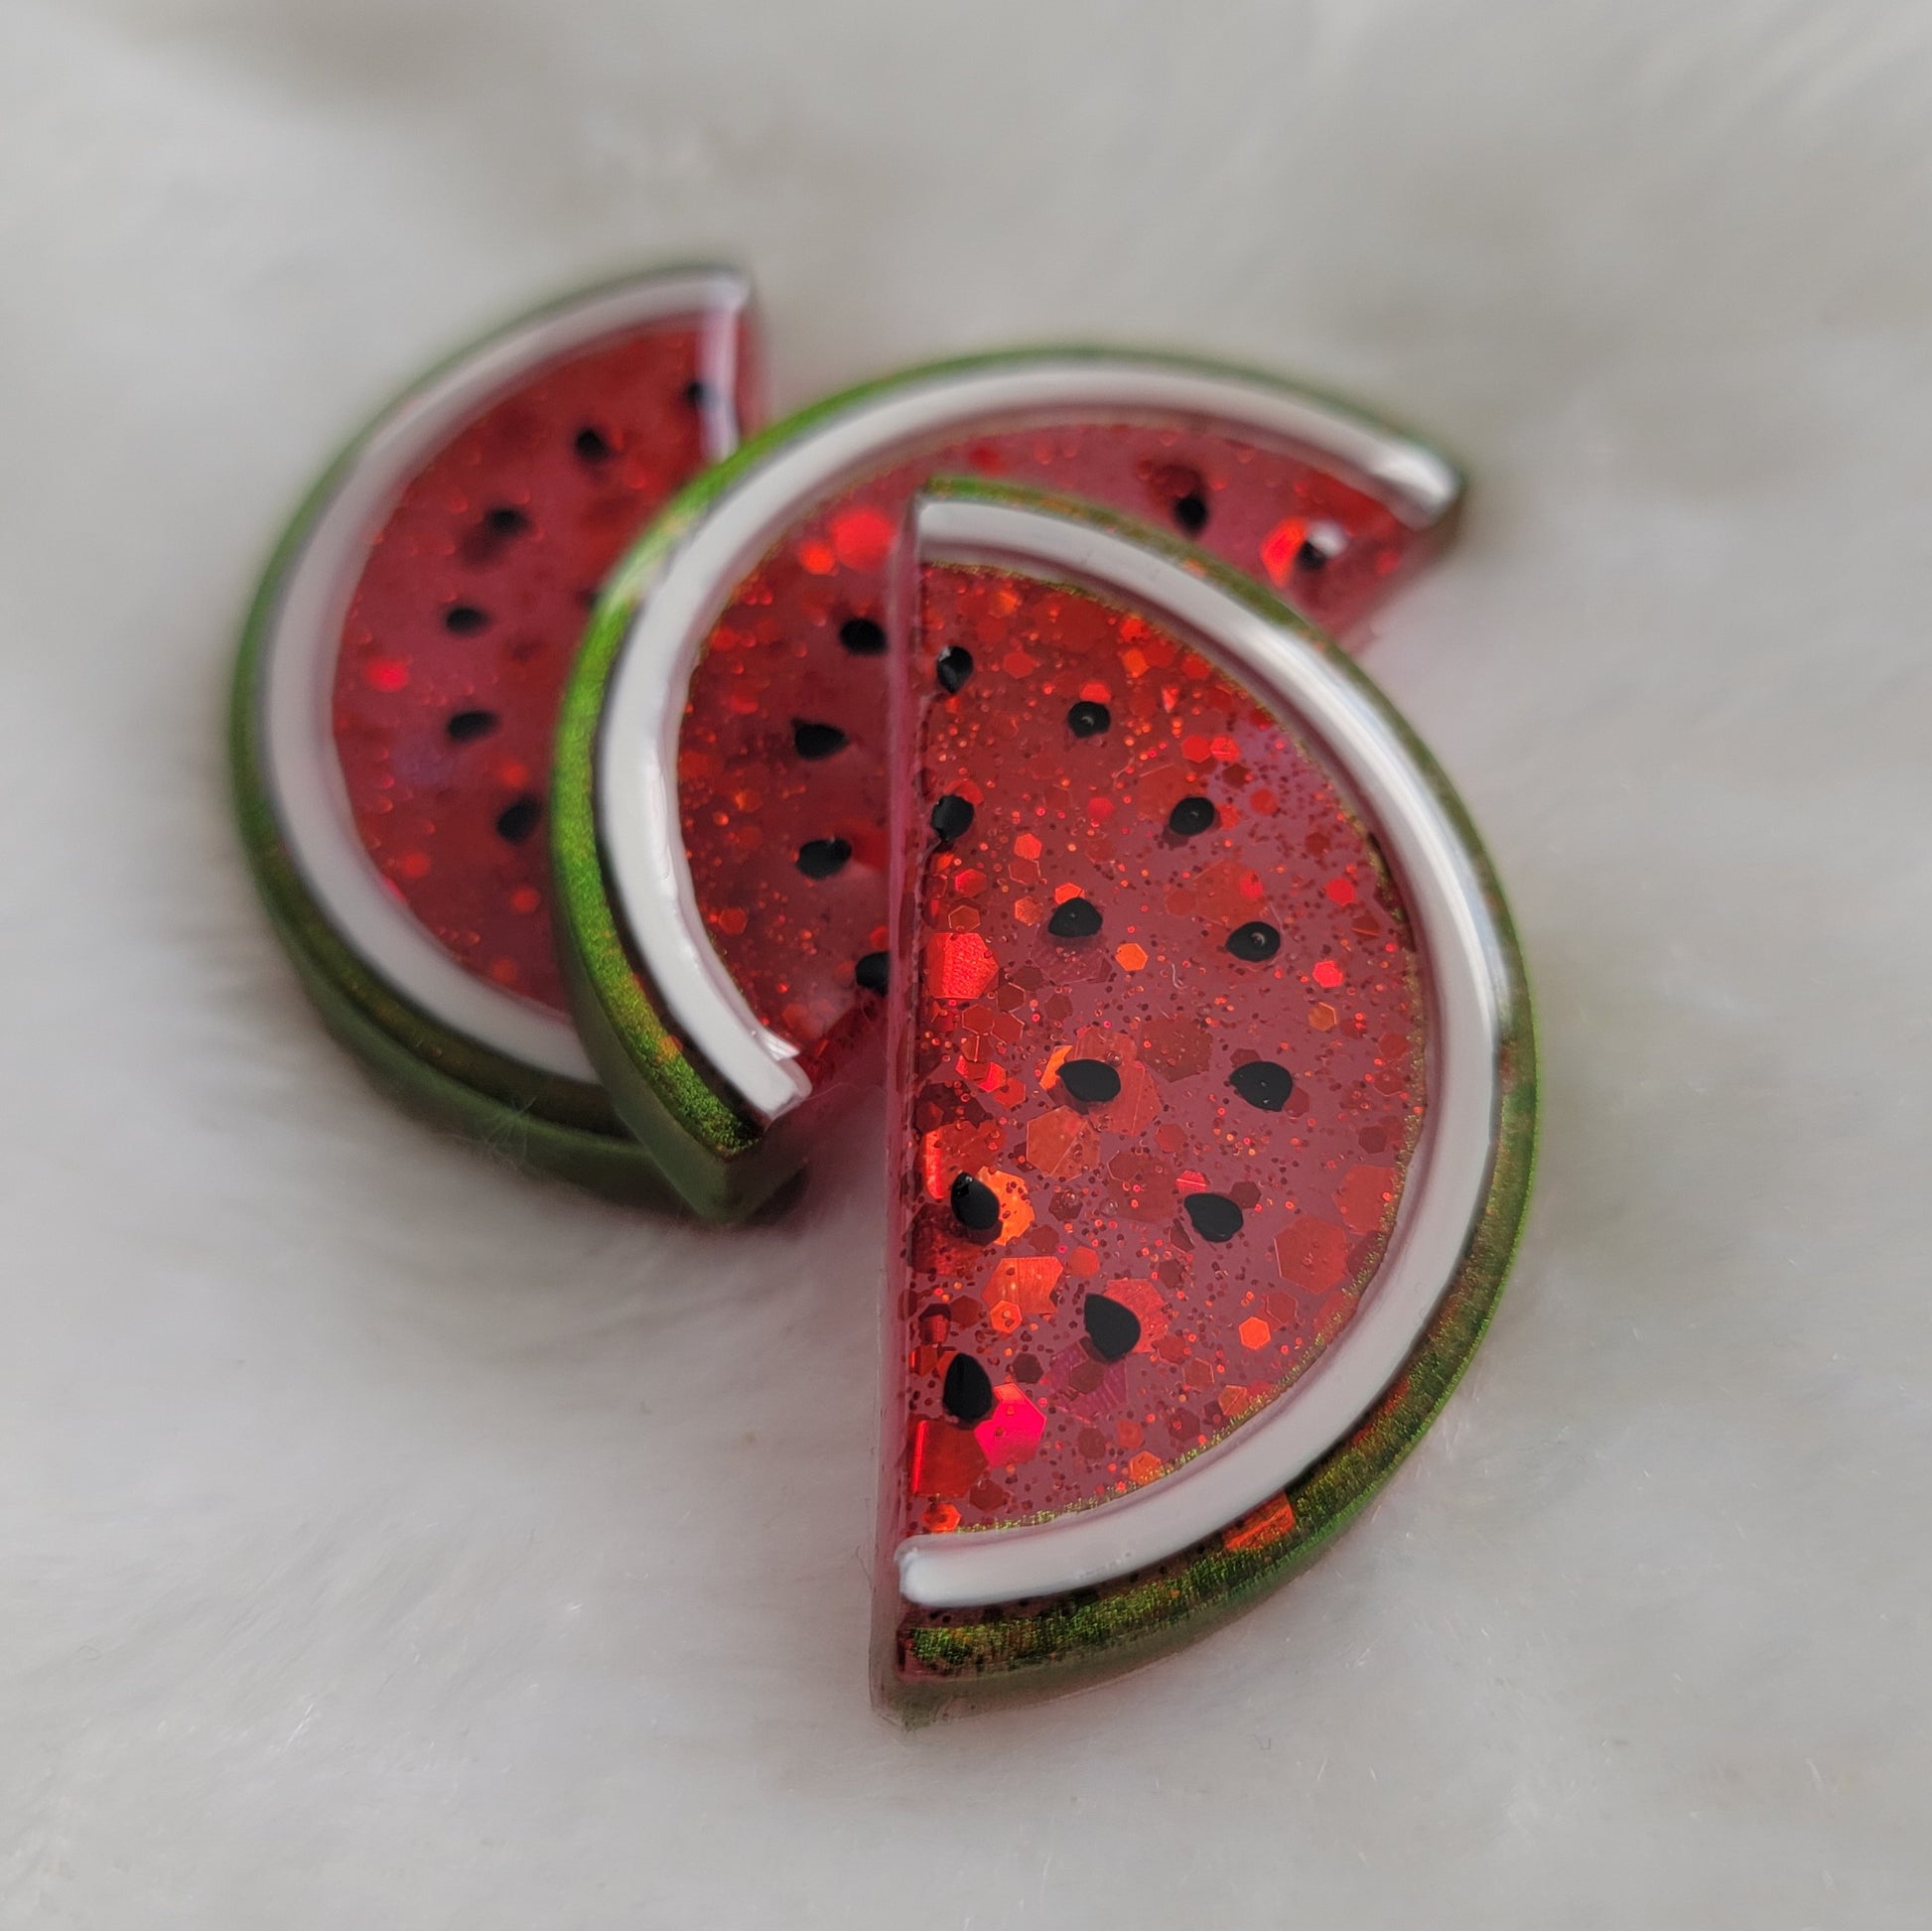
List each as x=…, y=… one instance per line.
x=799, y=642
x=466, y=617
x=1179, y=1234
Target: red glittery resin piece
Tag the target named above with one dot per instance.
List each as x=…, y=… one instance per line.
x=465, y=619
x=801, y=643
x=1160, y=1074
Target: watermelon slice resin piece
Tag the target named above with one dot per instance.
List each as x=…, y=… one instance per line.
x=722, y=797
x=1210, y=1101
x=396, y=702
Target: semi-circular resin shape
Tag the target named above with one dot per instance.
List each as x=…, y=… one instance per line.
x=721, y=814
x=396, y=702
x=1250, y=1131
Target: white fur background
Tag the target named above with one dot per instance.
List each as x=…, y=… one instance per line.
x=386, y=1541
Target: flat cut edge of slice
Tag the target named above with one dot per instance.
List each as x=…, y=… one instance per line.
x=673, y=1038
x=1105, y=1587
x=493, y=1065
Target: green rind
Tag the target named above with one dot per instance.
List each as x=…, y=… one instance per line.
x=715, y=1153
x=1074, y=1641
x=563, y=1128
x=712, y=1153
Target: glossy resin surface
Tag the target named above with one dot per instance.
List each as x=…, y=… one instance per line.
x=1165, y=1065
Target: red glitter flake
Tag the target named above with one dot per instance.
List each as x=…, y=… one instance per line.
x=1365, y=1196
x=1325, y=973
x=962, y=1147
x=862, y=537
x=1261, y=1528
x=1133, y=1110
x=1011, y=1435
x=945, y=1460
x=1142, y=1301
x=959, y=965
x=1280, y=546
x=1060, y=1144
x=1029, y=1283
x=1312, y=1254
x=1016, y=1205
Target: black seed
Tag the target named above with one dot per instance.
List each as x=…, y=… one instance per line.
x=955, y=665
x=816, y=739
x=520, y=818
x=820, y=858
x=966, y=1394
x=1310, y=556
x=952, y=817
x=505, y=520
x=1087, y=719
x=872, y=972
x=974, y=1203
x=1263, y=1084
x=1190, y=512
x=465, y=619
x=1114, y=1331
x=1255, y=941
x=465, y=726
x=1075, y=918
x=591, y=446
x=696, y=395
x=1191, y=816
x=863, y=637
x=1091, y=1081
x=1214, y=1215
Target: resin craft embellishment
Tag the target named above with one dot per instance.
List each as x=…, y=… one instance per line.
x=721, y=803
x=396, y=699
x=1212, y=1100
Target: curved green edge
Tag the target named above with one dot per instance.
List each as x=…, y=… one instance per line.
x=1093, y=1634
x=560, y=1127
x=715, y=1153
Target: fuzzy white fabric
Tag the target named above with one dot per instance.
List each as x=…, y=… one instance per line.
x=387, y=1542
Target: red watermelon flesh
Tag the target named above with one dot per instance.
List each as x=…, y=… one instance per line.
x=465, y=619
x=1146, y=1170
x=782, y=759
